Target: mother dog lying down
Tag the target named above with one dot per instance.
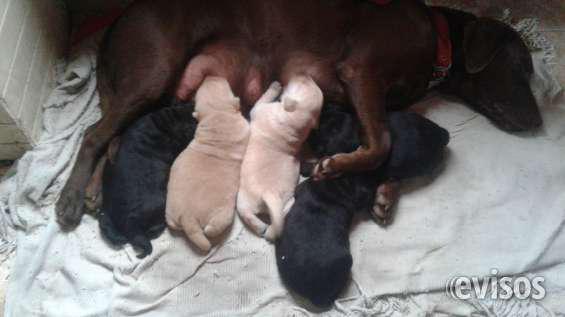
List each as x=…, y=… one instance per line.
x=372, y=57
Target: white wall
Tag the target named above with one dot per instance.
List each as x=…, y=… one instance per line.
x=33, y=34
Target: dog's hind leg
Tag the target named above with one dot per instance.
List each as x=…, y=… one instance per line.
x=219, y=223
x=93, y=192
x=248, y=208
x=194, y=233
x=133, y=73
x=276, y=212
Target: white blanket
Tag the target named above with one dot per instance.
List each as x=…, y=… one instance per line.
x=498, y=204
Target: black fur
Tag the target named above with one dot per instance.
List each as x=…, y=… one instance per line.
x=491, y=71
x=134, y=187
x=313, y=254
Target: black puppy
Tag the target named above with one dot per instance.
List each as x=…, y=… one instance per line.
x=313, y=254
x=134, y=186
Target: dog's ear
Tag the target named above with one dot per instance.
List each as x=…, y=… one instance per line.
x=483, y=39
x=289, y=104
x=236, y=104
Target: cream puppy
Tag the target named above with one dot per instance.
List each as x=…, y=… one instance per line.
x=270, y=169
x=204, y=179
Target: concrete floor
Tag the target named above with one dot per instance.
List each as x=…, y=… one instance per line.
x=552, y=22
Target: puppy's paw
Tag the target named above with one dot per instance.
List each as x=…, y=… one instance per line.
x=254, y=223
x=325, y=169
x=386, y=197
x=276, y=86
x=270, y=234
x=93, y=203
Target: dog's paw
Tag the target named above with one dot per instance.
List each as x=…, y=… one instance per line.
x=325, y=169
x=254, y=223
x=382, y=211
x=92, y=198
x=93, y=203
x=386, y=198
x=69, y=208
x=269, y=234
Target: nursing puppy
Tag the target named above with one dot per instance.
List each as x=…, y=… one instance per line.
x=313, y=254
x=204, y=178
x=270, y=169
x=135, y=177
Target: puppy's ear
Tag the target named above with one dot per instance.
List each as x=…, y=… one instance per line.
x=289, y=104
x=483, y=39
x=236, y=104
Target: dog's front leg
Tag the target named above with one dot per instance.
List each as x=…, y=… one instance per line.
x=367, y=93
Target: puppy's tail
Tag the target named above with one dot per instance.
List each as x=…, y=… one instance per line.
x=142, y=243
x=275, y=206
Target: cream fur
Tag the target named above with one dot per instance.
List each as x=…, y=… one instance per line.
x=270, y=169
x=204, y=179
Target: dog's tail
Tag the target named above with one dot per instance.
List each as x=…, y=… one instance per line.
x=275, y=206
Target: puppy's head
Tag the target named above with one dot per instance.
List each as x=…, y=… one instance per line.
x=215, y=95
x=338, y=132
x=302, y=94
x=498, y=68
x=417, y=145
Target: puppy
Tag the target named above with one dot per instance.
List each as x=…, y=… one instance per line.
x=135, y=177
x=270, y=169
x=204, y=178
x=313, y=254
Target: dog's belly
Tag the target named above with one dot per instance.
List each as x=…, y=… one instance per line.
x=322, y=69
x=273, y=41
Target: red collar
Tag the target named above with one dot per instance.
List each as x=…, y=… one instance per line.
x=94, y=24
x=444, y=50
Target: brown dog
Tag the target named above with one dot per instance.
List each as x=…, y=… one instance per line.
x=371, y=56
